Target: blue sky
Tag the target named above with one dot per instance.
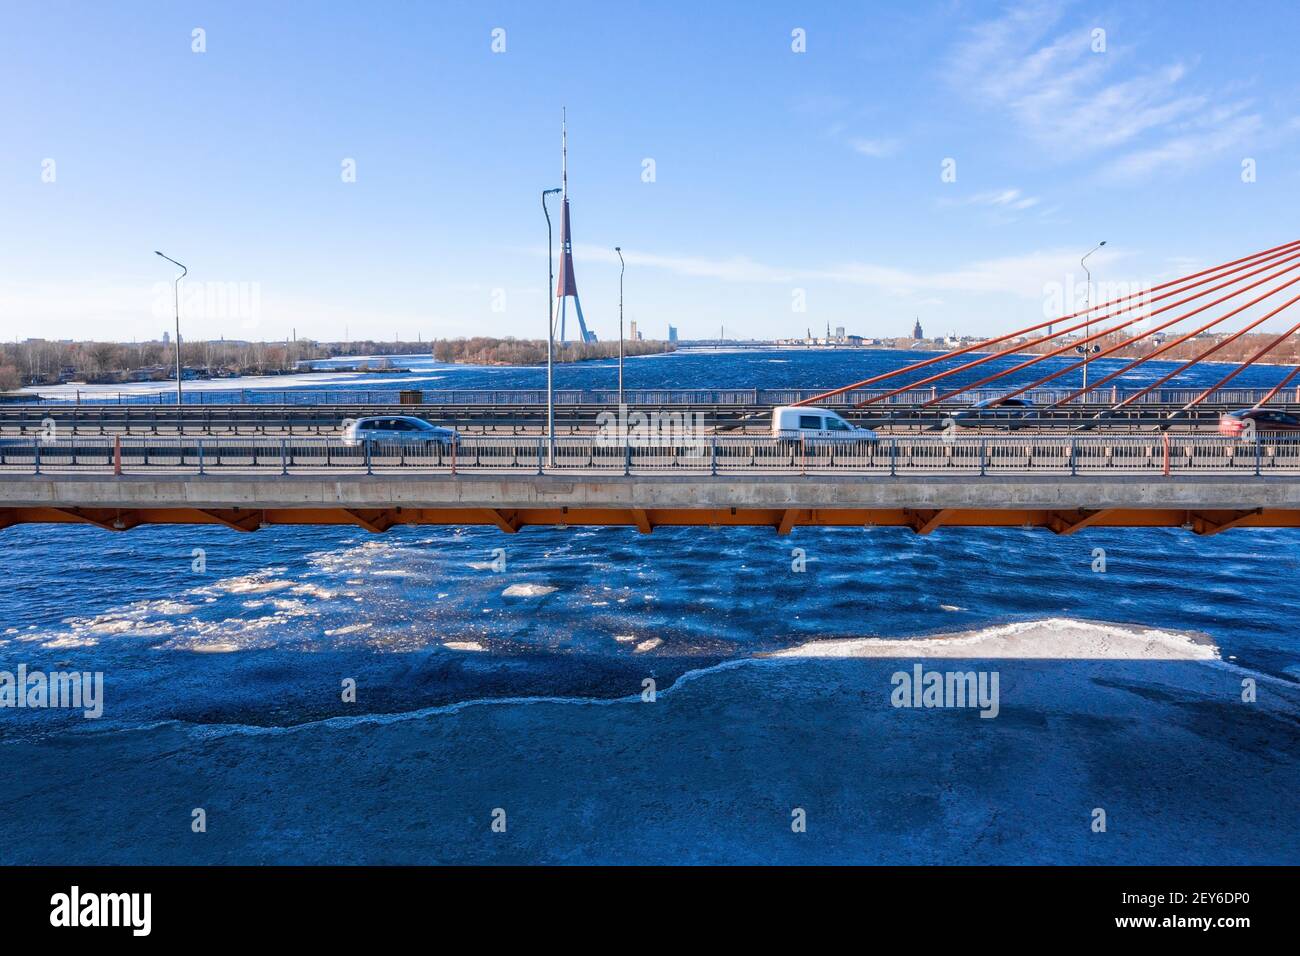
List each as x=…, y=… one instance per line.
x=781, y=178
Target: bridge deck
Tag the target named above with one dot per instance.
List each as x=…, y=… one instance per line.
x=1204, y=504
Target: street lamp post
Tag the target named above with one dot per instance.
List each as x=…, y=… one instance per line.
x=550, y=336
x=1086, y=348
x=621, y=267
x=177, y=291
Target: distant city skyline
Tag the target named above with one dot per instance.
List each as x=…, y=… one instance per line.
x=374, y=171
x=632, y=332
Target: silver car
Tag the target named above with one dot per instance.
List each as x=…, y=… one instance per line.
x=994, y=412
x=393, y=429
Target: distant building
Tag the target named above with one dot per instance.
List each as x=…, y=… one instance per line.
x=167, y=338
x=839, y=333
x=672, y=333
x=917, y=334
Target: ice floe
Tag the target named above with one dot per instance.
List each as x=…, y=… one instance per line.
x=1051, y=639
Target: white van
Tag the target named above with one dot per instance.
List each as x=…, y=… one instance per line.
x=801, y=421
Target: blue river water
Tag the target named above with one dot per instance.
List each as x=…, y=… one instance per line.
x=778, y=368
x=504, y=679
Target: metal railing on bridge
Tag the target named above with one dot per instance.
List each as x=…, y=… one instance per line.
x=1159, y=454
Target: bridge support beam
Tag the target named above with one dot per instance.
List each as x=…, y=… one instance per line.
x=507, y=522
x=110, y=519
x=1068, y=522
x=1214, y=522
x=642, y=519
x=923, y=522
x=239, y=519
x=373, y=520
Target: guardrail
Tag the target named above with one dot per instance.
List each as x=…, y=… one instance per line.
x=1241, y=397
x=713, y=455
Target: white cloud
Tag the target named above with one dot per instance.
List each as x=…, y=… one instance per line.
x=1002, y=205
x=1074, y=102
x=875, y=148
x=1002, y=198
x=734, y=269
x=1022, y=276
x=89, y=309
x=1203, y=139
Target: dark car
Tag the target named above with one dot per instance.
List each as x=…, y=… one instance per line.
x=1233, y=424
x=996, y=411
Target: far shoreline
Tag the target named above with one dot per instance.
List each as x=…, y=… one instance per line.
x=326, y=377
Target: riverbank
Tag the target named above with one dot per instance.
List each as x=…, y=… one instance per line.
x=519, y=352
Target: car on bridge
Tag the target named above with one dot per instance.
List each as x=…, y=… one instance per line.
x=1233, y=424
x=399, y=429
x=1008, y=412
x=816, y=424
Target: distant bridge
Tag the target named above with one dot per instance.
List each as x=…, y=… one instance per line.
x=608, y=397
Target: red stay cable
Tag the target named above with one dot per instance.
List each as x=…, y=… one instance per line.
x=1033, y=328
x=1278, y=387
x=1098, y=335
x=1146, y=358
x=1210, y=351
x=1250, y=361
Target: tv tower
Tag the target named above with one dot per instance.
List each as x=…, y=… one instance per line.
x=567, y=286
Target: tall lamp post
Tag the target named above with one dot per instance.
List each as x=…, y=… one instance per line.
x=177, y=290
x=1087, y=348
x=621, y=267
x=550, y=335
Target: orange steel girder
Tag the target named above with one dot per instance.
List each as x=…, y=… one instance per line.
x=782, y=520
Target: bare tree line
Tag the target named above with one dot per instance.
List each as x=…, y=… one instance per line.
x=40, y=362
x=510, y=351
